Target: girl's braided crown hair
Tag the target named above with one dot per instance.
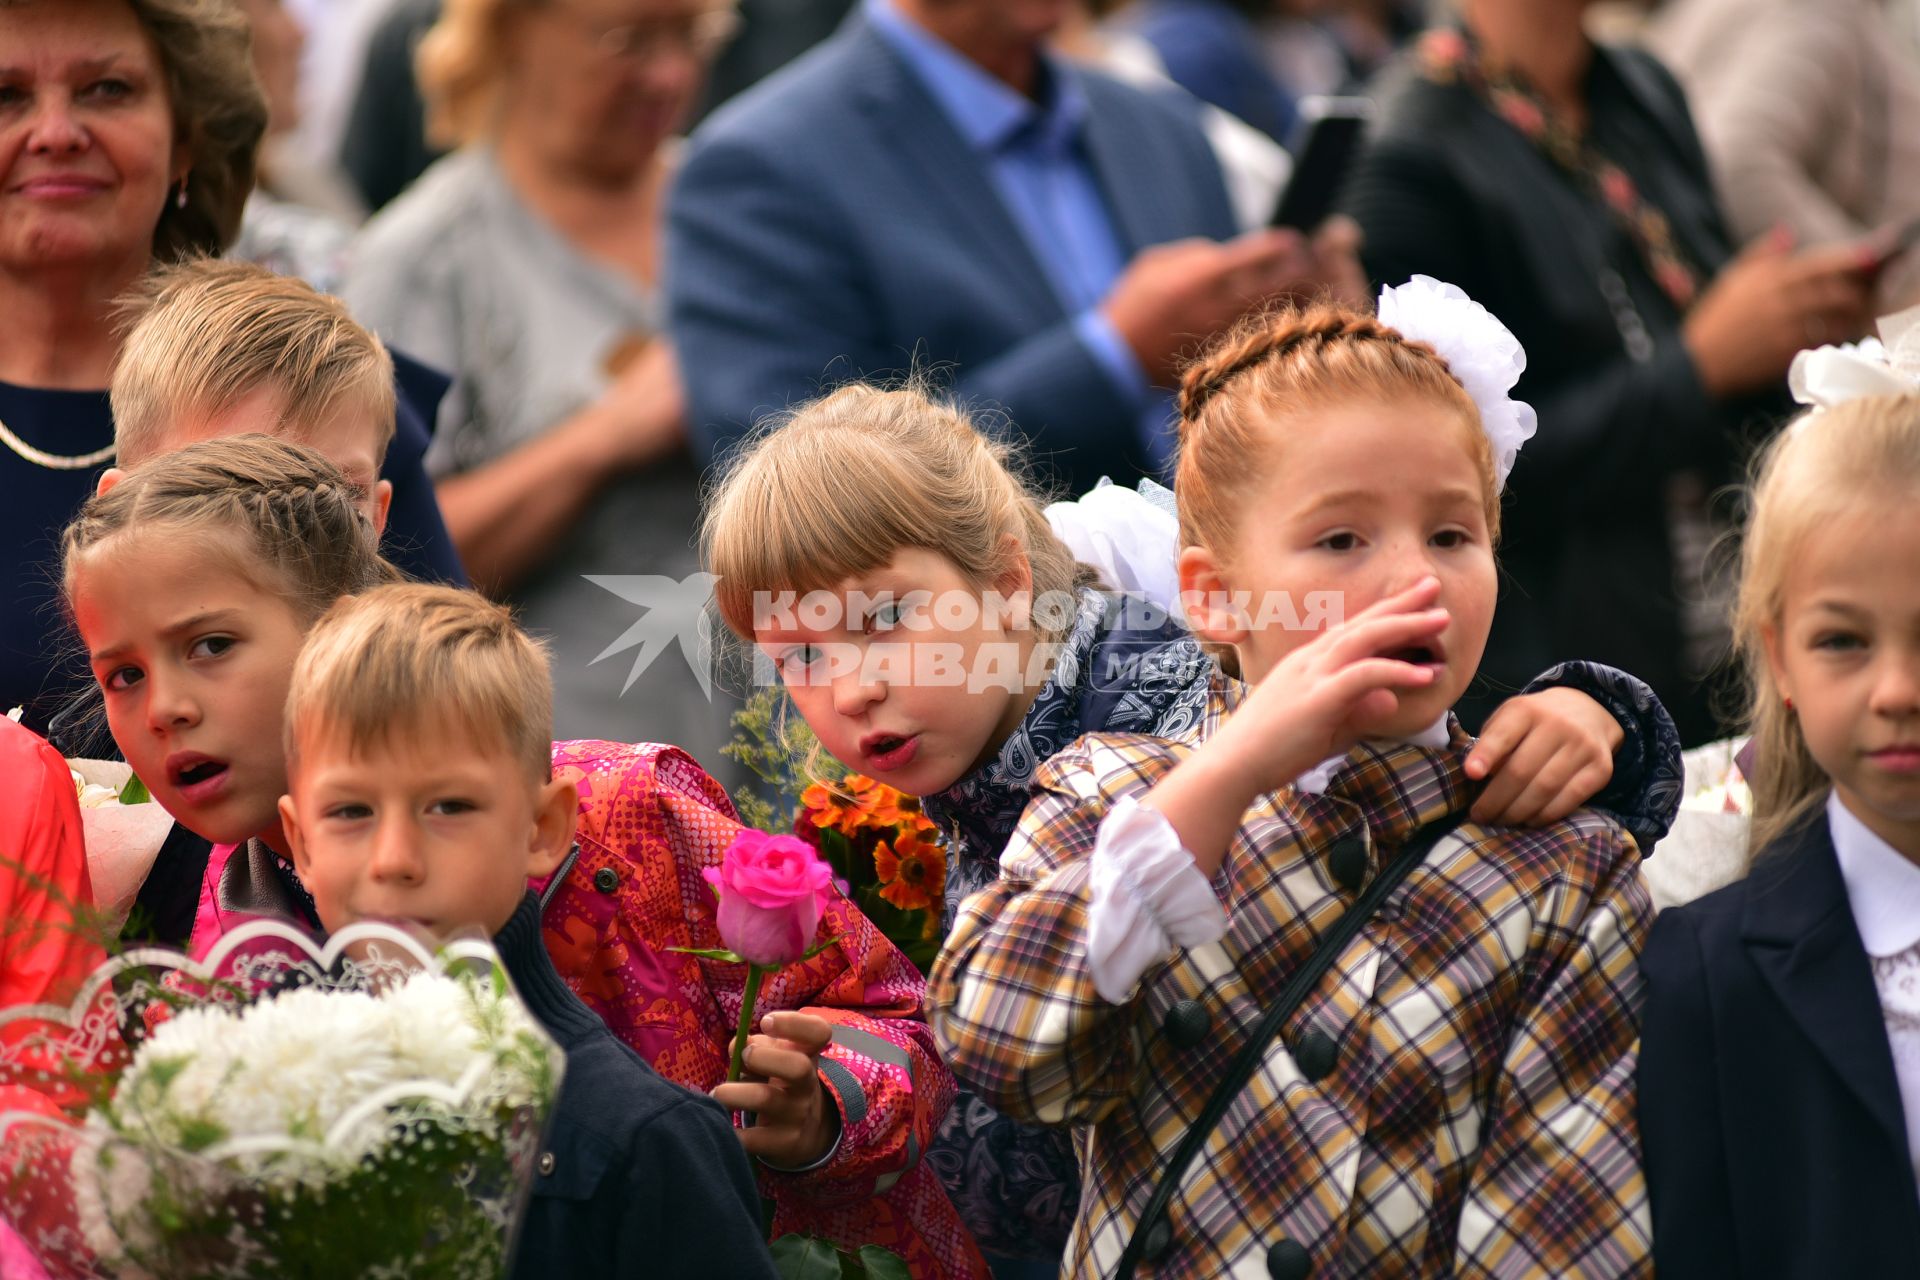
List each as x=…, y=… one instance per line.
x=1289, y=362
x=299, y=514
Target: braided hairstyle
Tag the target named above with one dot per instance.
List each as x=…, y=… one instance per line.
x=1236, y=396
x=300, y=531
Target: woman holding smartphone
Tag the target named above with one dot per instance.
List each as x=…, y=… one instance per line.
x=1561, y=183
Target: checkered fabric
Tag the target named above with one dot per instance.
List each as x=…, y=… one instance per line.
x=1455, y=1097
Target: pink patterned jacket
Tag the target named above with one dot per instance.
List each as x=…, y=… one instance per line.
x=650, y=820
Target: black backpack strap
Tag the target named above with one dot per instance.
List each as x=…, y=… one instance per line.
x=1152, y=1235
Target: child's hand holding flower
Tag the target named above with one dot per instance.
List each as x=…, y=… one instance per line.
x=795, y=1123
x=773, y=890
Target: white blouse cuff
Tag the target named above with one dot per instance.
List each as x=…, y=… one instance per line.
x=1148, y=900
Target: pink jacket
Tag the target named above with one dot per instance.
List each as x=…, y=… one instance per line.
x=650, y=820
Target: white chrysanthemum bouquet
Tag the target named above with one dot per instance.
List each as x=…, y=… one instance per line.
x=294, y=1113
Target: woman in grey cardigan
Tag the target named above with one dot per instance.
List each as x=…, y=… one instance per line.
x=1810, y=112
x=526, y=264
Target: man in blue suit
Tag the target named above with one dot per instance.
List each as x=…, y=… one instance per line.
x=931, y=189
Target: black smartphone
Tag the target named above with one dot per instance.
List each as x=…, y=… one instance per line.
x=1325, y=144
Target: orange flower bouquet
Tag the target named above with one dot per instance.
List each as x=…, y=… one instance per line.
x=886, y=853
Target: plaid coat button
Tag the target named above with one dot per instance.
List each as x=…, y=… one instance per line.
x=1315, y=1053
x=1347, y=860
x=1187, y=1024
x=1289, y=1260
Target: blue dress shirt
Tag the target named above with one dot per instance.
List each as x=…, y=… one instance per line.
x=1034, y=149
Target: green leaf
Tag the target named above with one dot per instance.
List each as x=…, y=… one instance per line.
x=818, y=947
x=198, y=1133
x=135, y=792
x=798, y=1257
x=710, y=953
x=883, y=1264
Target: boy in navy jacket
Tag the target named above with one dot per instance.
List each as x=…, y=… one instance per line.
x=418, y=736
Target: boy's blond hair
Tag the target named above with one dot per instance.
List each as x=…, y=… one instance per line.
x=204, y=334
x=402, y=660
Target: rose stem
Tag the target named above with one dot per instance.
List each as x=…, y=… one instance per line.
x=747, y=999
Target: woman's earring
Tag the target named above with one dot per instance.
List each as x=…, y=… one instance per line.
x=180, y=196
x=1789, y=702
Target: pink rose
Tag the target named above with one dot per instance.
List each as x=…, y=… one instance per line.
x=772, y=891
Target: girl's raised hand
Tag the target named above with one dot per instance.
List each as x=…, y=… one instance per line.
x=1316, y=702
x=1543, y=755
x=1332, y=691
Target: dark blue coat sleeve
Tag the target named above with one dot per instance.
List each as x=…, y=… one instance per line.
x=1648, y=775
x=770, y=303
x=689, y=1207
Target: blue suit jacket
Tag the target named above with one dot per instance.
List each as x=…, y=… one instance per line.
x=1775, y=1140
x=831, y=224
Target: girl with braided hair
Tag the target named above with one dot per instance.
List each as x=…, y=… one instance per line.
x=192, y=583
x=1450, y=1091
x=850, y=581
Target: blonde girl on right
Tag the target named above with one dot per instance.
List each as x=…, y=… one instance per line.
x=1780, y=1065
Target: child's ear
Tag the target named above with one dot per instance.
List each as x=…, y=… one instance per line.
x=296, y=839
x=554, y=819
x=1208, y=602
x=382, y=502
x=1014, y=583
x=108, y=478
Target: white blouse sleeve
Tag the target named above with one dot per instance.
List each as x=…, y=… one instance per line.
x=1148, y=899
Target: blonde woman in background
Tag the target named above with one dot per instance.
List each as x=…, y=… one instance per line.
x=526, y=263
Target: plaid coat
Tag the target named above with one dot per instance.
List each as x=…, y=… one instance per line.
x=1456, y=1096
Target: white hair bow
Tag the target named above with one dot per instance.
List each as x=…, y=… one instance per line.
x=1823, y=377
x=1482, y=353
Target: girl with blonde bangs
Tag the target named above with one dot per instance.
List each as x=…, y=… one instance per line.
x=1270, y=967
x=845, y=528
x=1808, y=968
